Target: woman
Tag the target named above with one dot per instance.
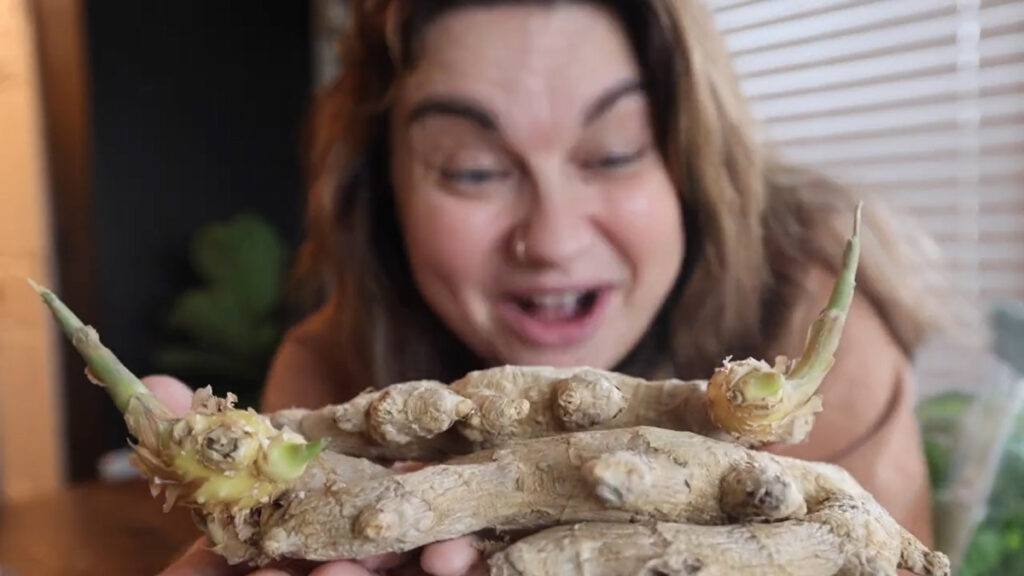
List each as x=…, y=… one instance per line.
x=579, y=183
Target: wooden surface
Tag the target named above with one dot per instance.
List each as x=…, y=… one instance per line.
x=92, y=529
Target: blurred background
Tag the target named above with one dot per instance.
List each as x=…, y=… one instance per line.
x=145, y=147
x=148, y=148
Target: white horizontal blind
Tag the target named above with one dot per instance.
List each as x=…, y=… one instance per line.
x=919, y=103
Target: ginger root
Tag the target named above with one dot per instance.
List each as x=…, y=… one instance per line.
x=624, y=476
x=748, y=402
x=430, y=421
x=616, y=474
x=835, y=539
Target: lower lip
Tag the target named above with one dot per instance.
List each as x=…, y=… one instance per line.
x=539, y=332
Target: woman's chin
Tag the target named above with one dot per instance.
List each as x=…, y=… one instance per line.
x=559, y=358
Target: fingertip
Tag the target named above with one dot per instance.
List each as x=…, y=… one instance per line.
x=171, y=392
x=341, y=569
x=454, y=557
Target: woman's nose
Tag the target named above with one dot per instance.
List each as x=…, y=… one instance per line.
x=555, y=229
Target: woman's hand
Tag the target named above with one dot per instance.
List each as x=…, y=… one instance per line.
x=198, y=561
x=458, y=557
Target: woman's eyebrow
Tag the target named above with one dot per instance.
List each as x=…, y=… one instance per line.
x=447, y=105
x=450, y=105
x=609, y=97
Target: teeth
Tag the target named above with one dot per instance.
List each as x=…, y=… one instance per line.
x=555, y=306
x=561, y=300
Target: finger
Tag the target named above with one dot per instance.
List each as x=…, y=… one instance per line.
x=383, y=561
x=454, y=557
x=198, y=561
x=172, y=393
x=341, y=569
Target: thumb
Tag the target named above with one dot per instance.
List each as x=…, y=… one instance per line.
x=455, y=557
x=171, y=392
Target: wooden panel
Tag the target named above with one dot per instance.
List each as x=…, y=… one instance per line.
x=63, y=68
x=31, y=451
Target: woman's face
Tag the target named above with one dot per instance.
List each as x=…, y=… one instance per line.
x=540, y=221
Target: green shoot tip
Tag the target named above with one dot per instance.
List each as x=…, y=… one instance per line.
x=286, y=460
x=35, y=286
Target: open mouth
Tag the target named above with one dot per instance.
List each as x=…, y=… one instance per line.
x=555, y=318
x=559, y=307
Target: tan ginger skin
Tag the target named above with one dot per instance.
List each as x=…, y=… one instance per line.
x=627, y=475
x=429, y=420
x=614, y=474
x=831, y=540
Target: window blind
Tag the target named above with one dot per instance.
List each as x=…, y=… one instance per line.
x=920, y=104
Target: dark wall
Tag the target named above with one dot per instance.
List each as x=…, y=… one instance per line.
x=196, y=113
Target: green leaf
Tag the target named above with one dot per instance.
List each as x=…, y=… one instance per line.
x=942, y=410
x=214, y=319
x=229, y=321
x=984, y=553
x=940, y=418
x=997, y=546
x=939, y=457
x=244, y=257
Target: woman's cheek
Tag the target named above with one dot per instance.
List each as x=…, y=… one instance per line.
x=448, y=243
x=646, y=216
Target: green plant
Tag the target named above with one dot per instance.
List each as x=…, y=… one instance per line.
x=996, y=545
x=229, y=325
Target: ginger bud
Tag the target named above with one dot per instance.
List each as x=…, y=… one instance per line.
x=215, y=456
x=286, y=456
x=757, y=403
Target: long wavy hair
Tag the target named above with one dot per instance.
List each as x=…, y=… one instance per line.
x=753, y=224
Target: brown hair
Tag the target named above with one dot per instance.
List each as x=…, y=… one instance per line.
x=753, y=224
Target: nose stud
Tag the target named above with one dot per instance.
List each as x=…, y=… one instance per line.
x=519, y=247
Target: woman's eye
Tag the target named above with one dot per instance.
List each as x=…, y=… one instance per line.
x=614, y=161
x=473, y=176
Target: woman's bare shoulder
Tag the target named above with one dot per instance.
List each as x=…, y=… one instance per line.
x=301, y=374
x=866, y=332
